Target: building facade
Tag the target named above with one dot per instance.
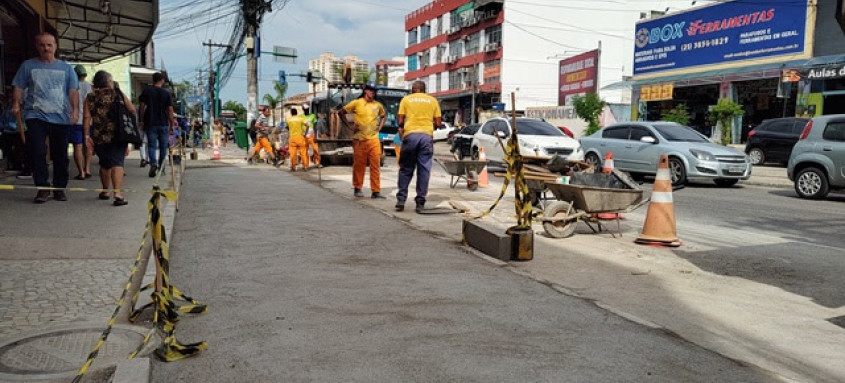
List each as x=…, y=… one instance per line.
x=474, y=54
x=331, y=68
x=780, y=58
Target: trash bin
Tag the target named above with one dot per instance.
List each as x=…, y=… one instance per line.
x=241, y=136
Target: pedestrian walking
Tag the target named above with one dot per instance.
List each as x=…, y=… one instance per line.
x=369, y=117
x=11, y=140
x=311, y=134
x=217, y=133
x=419, y=113
x=50, y=106
x=98, y=126
x=297, y=128
x=81, y=154
x=156, y=110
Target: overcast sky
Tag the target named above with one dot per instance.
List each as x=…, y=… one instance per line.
x=370, y=29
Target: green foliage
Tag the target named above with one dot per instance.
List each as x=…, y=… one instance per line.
x=723, y=113
x=589, y=108
x=238, y=108
x=678, y=114
x=365, y=77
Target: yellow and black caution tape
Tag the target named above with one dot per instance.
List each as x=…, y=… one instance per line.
x=93, y=354
x=67, y=189
x=166, y=311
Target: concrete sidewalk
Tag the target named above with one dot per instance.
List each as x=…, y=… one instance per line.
x=63, y=266
x=306, y=285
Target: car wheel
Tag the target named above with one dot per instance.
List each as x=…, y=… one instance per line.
x=757, y=156
x=726, y=183
x=811, y=183
x=677, y=171
x=593, y=160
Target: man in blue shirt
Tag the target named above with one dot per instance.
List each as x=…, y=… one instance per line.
x=51, y=105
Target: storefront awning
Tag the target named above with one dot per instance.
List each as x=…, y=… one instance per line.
x=753, y=72
x=94, y=30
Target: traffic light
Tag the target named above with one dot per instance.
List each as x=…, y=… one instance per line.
x=309, y=77
x=282, y=79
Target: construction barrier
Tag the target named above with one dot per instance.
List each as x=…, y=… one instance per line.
x=659, y=226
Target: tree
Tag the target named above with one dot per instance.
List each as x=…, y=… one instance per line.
x=723, y=114
x=365, y=76
x=238, y=108
x=589, y=108
x=272, y=102
x=678, y=114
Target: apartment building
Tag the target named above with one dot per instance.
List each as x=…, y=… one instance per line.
x=331, y=68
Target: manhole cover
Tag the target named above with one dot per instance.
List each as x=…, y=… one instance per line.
x=64, y=351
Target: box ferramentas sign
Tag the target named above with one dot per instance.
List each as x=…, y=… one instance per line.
x=726, y=32
x=578, y=76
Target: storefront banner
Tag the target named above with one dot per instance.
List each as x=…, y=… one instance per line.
x=577, y=76
x=657, y=92
x=824, y=73
x=721, y=33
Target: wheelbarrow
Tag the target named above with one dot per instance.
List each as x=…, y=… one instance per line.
x=574, y=203
x=463, y=170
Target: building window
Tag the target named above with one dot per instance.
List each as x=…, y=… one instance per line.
x=439, y=25
x=454, y=80
x=441, y=51
x=493, y=34
x=472, y=43
x=425, y=58
x=412, y=37
x=425, y=32
x=412, y=62
x=456, y=48
x=492, y=71
x=455, y=19
x=438, y=85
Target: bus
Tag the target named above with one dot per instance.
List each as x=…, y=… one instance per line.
x=338, y=142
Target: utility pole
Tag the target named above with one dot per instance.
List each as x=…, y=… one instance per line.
x=253, y=11
x=212, y=105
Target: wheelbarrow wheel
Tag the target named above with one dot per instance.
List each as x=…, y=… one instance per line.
x=472, y=180
x=559, y=229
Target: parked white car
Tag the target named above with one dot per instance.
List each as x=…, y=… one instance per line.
x=441, y=133
x=536, y=138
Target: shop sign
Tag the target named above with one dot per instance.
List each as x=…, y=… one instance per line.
x=724, y=32
x=657, y=92
x=577, y=76
x=824, y=73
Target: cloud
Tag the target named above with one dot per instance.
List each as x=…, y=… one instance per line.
x=370, y=29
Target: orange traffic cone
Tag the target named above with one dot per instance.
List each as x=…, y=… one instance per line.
x=483, y=177
x=659, y=226
x=607, y=167
x=216, y=155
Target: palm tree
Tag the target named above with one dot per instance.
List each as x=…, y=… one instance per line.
x=272, y=103
x=366, y=76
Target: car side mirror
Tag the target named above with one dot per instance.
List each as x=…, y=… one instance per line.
x=648, y=140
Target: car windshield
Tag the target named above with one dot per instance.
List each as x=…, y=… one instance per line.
x=470, y=129
x=679, y=133
x=537, y=128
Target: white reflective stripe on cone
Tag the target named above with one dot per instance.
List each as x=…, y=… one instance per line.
x=663, y=174
x=661, y=197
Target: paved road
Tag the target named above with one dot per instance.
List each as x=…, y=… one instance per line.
x=307, y=285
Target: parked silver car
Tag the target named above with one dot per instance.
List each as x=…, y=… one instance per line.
x=637, y=147
x=817, y=162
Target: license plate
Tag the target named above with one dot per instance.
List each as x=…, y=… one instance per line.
x=736, y=169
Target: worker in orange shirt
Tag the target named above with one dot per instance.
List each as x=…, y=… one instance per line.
x=369, y=117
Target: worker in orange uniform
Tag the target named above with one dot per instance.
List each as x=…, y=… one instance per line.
x=297, y=126
x=263, y=130
x=419, y=113
x=310, y=135
x=369, y=117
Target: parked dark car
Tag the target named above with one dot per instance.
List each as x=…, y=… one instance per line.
x=462, y=141
x=772, y=140
x=817, y=163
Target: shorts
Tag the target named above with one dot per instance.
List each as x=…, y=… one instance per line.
x=110, y=155
x=76, y=136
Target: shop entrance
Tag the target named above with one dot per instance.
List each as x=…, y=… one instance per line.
x=697, y=99
x=759, y=99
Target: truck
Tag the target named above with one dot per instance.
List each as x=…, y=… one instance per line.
x=336, y=145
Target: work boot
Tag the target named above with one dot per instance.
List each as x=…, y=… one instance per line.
x=143, y=163
x=377, y=195
x=153, y=169
x=358, y=193
x=59, y=195
x=42, y=196
x=420, y=207
x=400, y=206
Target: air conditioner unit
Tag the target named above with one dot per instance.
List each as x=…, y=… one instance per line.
x=451, y=59
x=454, y=29
x=463, y=70
x=464, y=85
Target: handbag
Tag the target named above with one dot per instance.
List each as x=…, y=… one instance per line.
x=125, y=123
